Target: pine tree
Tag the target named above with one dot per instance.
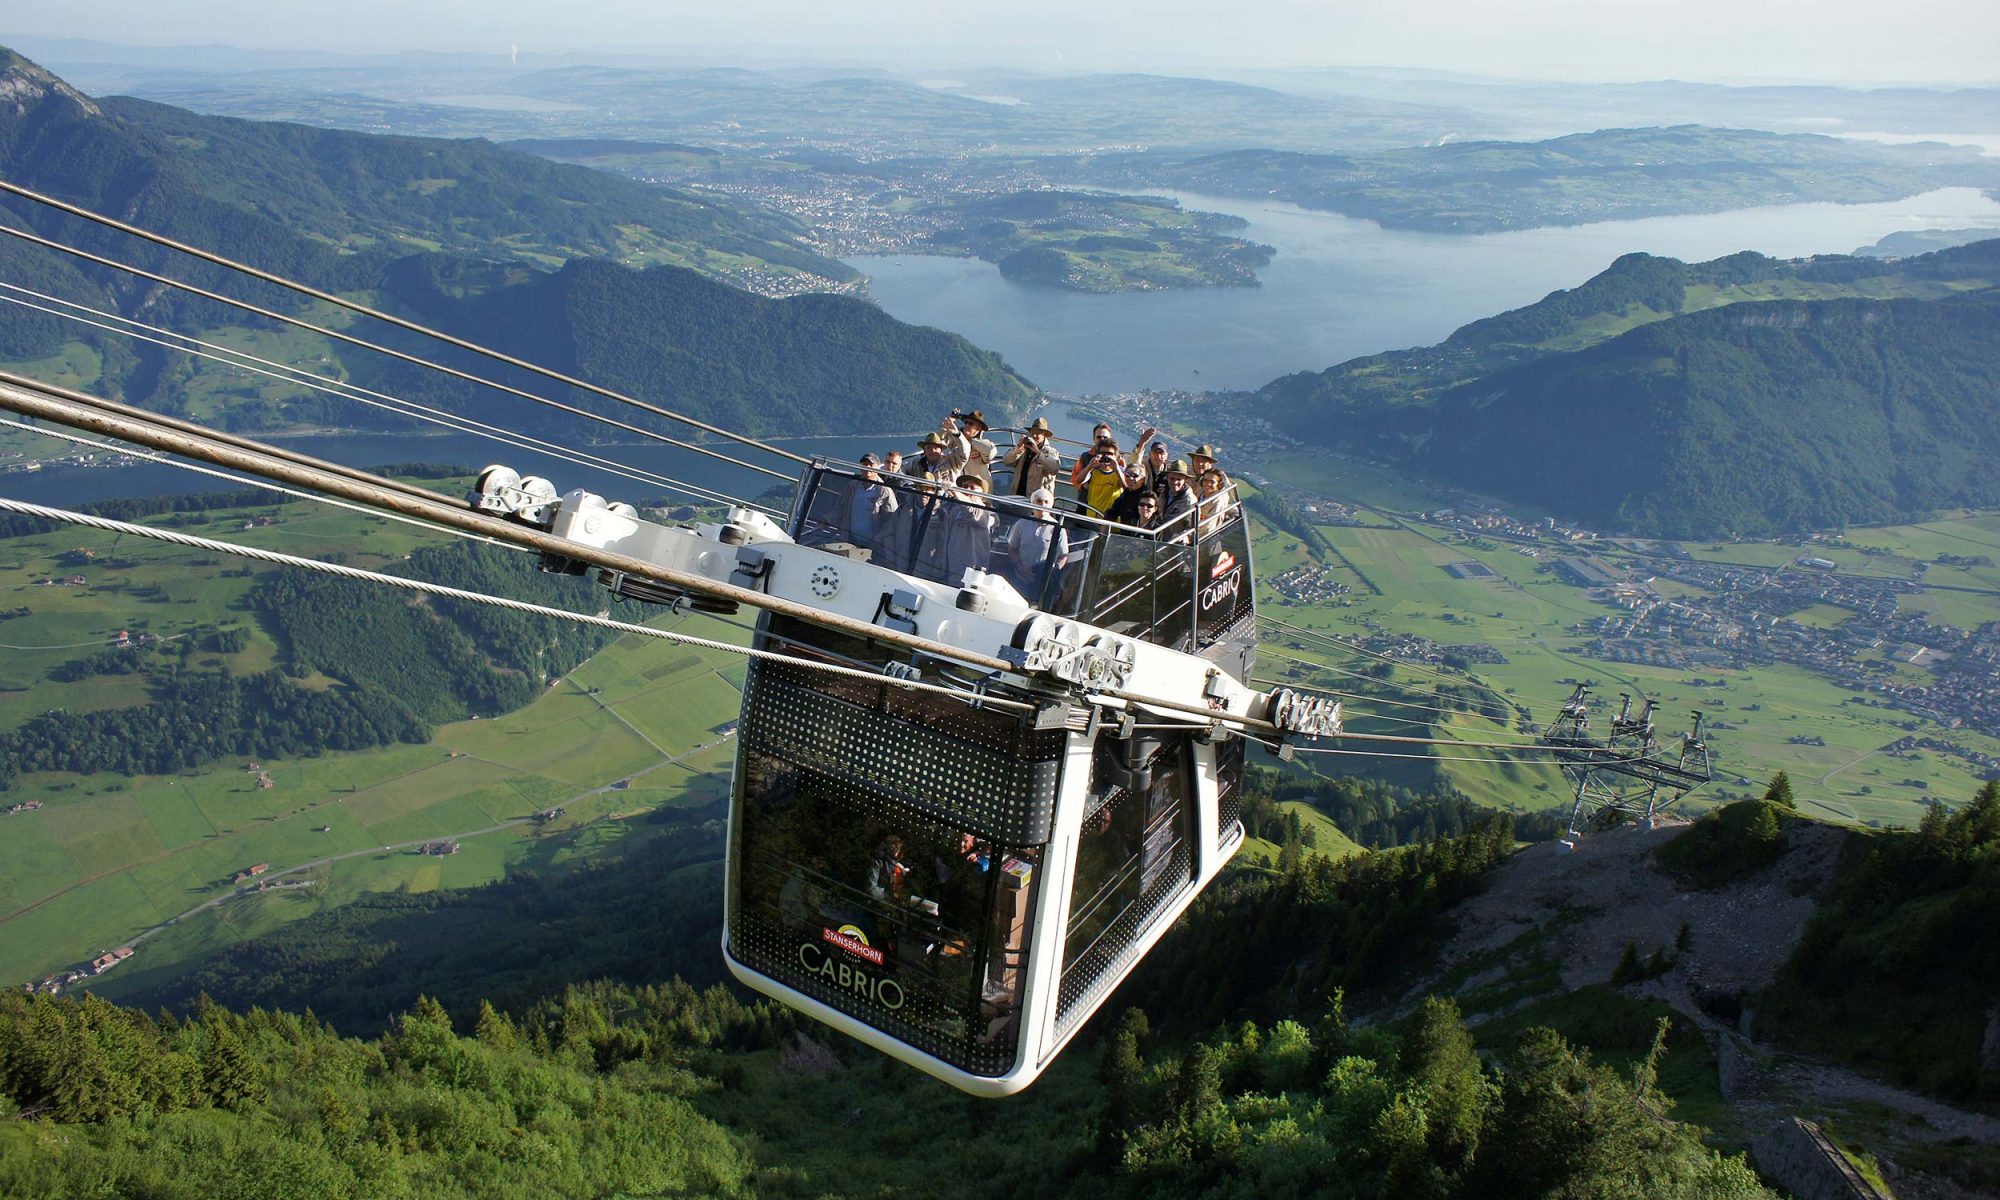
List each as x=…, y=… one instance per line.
x=1122, y=1071
x=1457, y=1093
x=1780, y=792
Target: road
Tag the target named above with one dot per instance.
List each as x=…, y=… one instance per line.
x=320, y=862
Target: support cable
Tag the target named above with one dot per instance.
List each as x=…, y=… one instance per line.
x=31, y=397
x=403, y=356
x=45, y=512
x=387, y=318
x=1371, y=699
x=285, y=372
x=1351, y=648
x=260, y=484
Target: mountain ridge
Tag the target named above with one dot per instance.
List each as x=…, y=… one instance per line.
x=1745, y=394
x=440, y=228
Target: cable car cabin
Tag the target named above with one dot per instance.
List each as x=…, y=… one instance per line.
x=961, y=884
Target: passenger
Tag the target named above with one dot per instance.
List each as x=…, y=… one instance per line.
x=932, y=463
x=1214, y=499
x=1036, y=545
x=1156, y=466
x=1035, y=462
x=1149, y=512
x=1201, y=458
x=887, y=875
x=904, y=529
x=1125, y=509
x=1103, y=482
x=1099, y=434
x=1177, y=505
x=967, y=447
x=968, y=538
x=892, y=463
x=869, y=507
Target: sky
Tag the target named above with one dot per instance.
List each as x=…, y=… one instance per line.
x=1853, y=41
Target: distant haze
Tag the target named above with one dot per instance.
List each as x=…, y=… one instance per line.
x=1840, y=41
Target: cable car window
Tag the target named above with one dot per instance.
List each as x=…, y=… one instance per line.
x=903, y=922
x=1174, y=596
x=1121, y=594
x=1134, y=855
x=1229, y=753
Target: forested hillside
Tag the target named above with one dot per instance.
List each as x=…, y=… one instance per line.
x=405, y=665
x=285, y=195
x=1743, y=395
x=612, y=1088
x=504, y=247
x=806, y=364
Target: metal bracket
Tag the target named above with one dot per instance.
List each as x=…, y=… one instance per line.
x=898, y=610
x=753, y=566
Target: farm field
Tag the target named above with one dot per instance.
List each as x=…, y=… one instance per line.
x=107, y=857
x=1398, y=586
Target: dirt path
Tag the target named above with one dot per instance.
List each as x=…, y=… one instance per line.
x=1843, y=766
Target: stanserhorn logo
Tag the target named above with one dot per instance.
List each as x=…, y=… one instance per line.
x=851, y=939
x=1225, y=580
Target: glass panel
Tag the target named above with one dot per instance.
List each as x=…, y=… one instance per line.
x=1133, y=856
x=914, y=927
x=1173, y=596
x=1121, y=598
x=1225, y=599
x=1228, y=785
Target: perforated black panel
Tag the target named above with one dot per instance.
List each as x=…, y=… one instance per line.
x=1004, y=797
x=928, y=1014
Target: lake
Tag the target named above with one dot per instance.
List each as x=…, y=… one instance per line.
x=1341, y=287
x=1338, y=288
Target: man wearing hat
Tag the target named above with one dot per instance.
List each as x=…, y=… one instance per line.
x=1179, y=498
x=967, y=448
x=968, y=535
x=1200, y=459
x=1034, y=460
x=933, y=464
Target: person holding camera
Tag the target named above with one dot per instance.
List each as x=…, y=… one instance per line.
x=967, y=448
x=1101, y=432
x=1104, y=480
x=1034, y=460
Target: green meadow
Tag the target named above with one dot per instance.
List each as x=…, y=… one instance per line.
x=109, y=857
x=1532, y=618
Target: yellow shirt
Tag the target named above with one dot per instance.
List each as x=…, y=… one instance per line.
x=1100, y=489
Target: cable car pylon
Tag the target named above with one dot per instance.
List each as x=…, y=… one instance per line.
x=1627, y=775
